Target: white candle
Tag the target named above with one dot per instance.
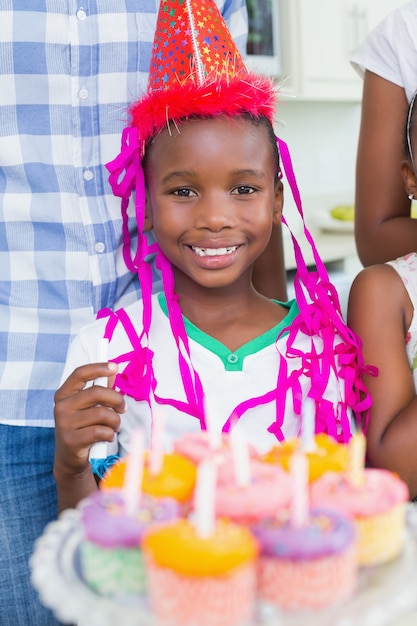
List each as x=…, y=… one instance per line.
x=102, y=357
x=204, y=511
x=214, y=433
x=100, y=450
x=356, y=464
x=308, y=424
x=300, y=500
x=156, y=457
x=241, y=459
x=132, y=485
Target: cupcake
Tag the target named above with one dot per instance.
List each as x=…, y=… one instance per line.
x=196, y=580
x=374, y=498
x=266, y=492
x=376, y=504
x=110, y=552
x=307, y=566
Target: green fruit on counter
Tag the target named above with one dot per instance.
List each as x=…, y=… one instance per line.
x=344, y=212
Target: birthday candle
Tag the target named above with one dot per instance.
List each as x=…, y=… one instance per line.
x=240, y=455
x=99, y=450
x=156, y=456
x=214, y=434
x=102, y=356
x=308, y=424
x=204, y=510
x=134, y=472
x=300, y=501
x=356, y=464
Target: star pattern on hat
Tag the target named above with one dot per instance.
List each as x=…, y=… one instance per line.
x=191, y=42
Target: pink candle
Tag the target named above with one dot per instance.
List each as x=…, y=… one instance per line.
x=241, y=460
x=204, y=517
x=308, y=424
x=299, y=502
x=156, y=458
x=214, y=433
x=134, y=472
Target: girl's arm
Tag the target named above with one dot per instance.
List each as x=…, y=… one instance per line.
x=83, y=416
x=384, y=229
x=380, y=312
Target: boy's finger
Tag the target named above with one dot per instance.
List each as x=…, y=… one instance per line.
x=83, y=375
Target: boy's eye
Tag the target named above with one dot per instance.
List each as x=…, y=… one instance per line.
x=184, y=193
x=243, y=189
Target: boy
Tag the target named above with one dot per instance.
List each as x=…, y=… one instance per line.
x=202, y=157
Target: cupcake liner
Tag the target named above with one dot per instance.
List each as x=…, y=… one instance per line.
x=313, y=584
x=179, y=600
x=113, y=571
x=380, y=537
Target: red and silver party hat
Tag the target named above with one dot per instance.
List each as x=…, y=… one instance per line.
x=197, y=70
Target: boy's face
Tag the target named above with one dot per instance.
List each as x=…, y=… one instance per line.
x=213, y=198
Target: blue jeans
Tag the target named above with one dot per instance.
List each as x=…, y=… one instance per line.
x=27, y=504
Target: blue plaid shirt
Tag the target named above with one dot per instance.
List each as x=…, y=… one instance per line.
x=68, y=70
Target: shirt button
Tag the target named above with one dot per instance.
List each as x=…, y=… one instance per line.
x=100, y=247
x=88, y=175
x=81, y=14
x=83, y=94
x=233, y=358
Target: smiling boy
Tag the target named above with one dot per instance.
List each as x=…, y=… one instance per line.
x=203, y=159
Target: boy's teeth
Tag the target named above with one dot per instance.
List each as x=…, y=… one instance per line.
x=213, y=251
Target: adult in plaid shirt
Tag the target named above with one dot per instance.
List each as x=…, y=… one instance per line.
x=68, y=70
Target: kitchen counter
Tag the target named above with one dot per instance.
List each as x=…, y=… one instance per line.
x=334, y=239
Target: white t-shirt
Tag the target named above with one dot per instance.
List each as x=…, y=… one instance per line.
x=390, y=50
x=227, y=378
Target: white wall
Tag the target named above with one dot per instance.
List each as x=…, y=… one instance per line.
x=322, y=139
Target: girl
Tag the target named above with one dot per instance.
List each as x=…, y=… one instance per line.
x=381, y=310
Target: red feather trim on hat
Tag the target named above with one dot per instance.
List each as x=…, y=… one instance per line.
x=252, y=94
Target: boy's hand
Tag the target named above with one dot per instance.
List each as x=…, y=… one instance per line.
x=84, y=416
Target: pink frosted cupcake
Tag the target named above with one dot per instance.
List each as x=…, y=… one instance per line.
x=376, y=503
x=201, y=581
x=266, y=493
x=309, y=566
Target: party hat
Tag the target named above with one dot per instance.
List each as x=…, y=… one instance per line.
x=196, y=69
x=191, y=42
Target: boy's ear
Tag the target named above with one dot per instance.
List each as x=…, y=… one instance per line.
x=147, y=225
x=409, y=178
x=278, y=203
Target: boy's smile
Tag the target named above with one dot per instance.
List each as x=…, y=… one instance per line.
x=213, y=198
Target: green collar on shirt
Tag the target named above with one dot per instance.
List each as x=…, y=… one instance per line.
x=233, y=361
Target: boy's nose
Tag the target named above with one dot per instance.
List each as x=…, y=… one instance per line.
x=215, y=213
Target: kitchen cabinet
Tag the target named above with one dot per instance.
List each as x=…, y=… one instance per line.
x=317, y=39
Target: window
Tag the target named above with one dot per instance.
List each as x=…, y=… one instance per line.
x=263, y=47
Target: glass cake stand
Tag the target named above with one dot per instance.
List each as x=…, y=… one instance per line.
x=386, y=595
